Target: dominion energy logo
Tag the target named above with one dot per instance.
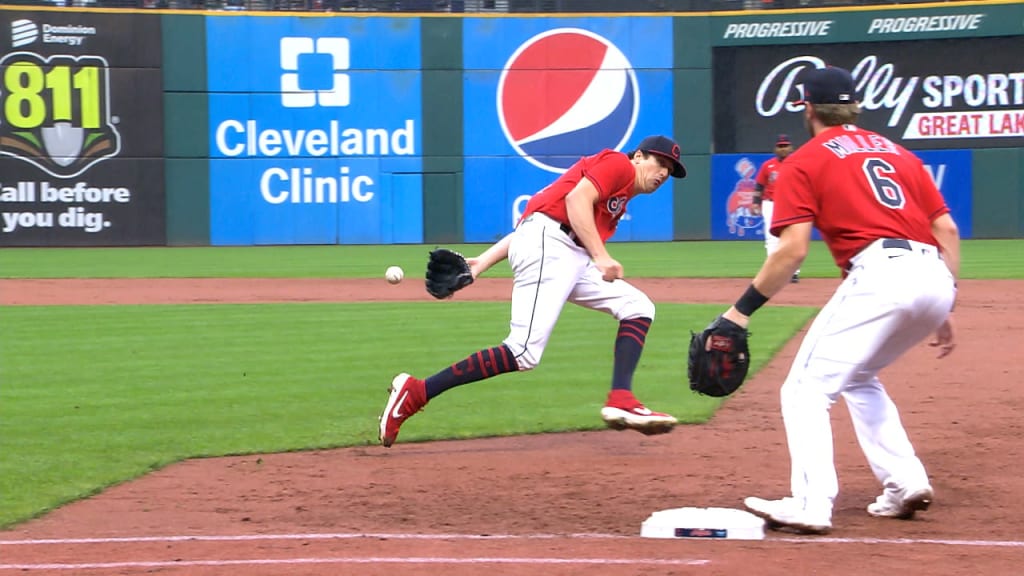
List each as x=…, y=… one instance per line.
x=55, y=112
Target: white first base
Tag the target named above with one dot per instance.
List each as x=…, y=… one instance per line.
x=710, y=523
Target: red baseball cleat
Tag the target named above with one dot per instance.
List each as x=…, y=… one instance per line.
x=408, y=396
x=624, y=411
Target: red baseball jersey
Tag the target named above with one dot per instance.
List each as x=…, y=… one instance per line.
x=611, y=172
x=856, y=186
x=766, y=177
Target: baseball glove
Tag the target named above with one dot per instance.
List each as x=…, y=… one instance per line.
x=447, y=273
x=719, y=358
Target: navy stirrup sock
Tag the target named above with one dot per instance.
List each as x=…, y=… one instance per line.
x=483, y=364
x=629, y=344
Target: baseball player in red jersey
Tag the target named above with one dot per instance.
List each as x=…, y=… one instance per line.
x=891, y=233
x=558, y=255
x=764, y=193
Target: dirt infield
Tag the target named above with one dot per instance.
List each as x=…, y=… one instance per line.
x=568, y=503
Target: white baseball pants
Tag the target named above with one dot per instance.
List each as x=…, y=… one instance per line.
x=892, y=299
x=549, y=270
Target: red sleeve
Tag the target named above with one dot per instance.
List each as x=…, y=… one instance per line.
x=794, y=201
x=610, y=173
x=762, y=174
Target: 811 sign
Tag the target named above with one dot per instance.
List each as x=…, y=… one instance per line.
x=54, y=112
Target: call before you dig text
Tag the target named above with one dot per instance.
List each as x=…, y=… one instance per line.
x=48, y=205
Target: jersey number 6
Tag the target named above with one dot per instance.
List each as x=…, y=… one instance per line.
x=887, y=190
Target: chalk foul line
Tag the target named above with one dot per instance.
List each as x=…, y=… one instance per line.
x=401, y=536
x=378, y=560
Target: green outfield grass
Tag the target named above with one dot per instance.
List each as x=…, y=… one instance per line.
x=91, y=396
x=981, y=259
x=95, y=395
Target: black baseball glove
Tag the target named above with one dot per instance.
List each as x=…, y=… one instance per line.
x=719, y=369
x=447, y=273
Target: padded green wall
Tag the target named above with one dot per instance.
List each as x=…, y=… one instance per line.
x=186, y=130
x=998, y=193
x=691, y=86
x=441, y=45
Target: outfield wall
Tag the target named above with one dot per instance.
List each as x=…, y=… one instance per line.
x=81, y=129
x=249, y=129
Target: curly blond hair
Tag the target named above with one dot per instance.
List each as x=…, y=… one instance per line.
x=837, y=114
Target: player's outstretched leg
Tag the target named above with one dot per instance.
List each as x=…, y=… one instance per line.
x=623, y=410
x=408, y=396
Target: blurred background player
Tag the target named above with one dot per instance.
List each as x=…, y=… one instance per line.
x=764, y=194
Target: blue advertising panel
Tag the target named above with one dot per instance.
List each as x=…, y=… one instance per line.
x=952, y=174
x=314, y=130
x=546, y=91
x=733, y=216
x=732, y=187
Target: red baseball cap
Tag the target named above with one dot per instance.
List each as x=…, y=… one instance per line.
x=782, y=140
x=666, y=147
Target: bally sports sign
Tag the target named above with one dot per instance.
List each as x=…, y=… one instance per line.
x=995, y=100
x=927, y=93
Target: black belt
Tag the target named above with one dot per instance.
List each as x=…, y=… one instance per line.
x=572, y=235
x=902, y=244
x=896, y=243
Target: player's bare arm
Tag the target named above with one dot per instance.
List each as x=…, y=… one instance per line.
x=496, y=253
x=579, y=205
x=948, y=235
x=945, y=338
x=778, y=269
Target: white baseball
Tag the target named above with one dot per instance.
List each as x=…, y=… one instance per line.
x=394, y=274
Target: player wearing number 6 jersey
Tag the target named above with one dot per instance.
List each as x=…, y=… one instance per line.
x=891, y=233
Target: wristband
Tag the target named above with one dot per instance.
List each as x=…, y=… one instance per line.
x=750, y=301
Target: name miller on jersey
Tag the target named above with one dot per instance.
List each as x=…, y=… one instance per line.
x=847, y=144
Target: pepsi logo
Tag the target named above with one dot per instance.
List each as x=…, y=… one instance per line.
x=566, y=93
